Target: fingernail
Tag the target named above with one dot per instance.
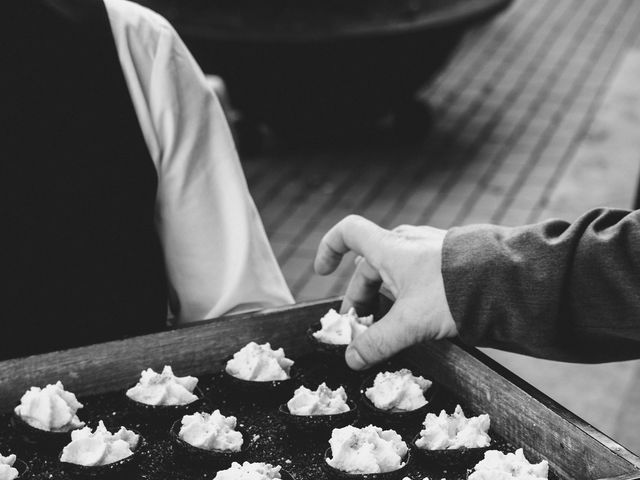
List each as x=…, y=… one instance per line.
x=354, y=360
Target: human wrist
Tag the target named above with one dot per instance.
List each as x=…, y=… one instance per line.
x=442, y=311
x=471, y=266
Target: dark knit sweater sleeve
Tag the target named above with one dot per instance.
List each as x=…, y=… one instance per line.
x=557, y=290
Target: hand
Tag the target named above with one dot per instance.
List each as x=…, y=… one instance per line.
x=407, y=262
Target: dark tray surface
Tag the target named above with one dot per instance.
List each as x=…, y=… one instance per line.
x=272, y=443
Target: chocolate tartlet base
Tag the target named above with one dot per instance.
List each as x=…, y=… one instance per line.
x=335, y=474
x=261, y=392
x=125, y=468
x=38, y=438
x=185, y=454
x=23, y=469
x=466, y=457
x=390, y=418
x=317, y=424
x=167, y=414
x=330, y=349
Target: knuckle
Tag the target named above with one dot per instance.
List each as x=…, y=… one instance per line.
x=352, y=219
x=402, y=228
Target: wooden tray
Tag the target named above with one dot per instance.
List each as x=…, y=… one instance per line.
x=519, y=413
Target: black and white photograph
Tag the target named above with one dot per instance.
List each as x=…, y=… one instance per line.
x=320, y=240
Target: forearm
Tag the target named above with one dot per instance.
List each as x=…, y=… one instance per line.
x=554, y=290
x=218, y=258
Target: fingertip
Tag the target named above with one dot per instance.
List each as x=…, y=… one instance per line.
x=380, y=341
x=346, y=305
x=319, y=265
x=326, y=260
x=354, y=359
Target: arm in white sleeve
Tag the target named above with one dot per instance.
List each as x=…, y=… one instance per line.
x=217, y=253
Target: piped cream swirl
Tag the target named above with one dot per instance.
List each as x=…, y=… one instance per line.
x=497, y=465
x=399, y=391
x=249, y=471
x=163, y=388
x=454, y=431
x=341, y=329
x=7, y=471
x=366, y=450
x=51, y=408
x=259, y=363
x=211, y=431
x=101, y=447
x=322, y=401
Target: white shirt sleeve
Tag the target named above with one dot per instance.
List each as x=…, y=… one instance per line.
x=217, y=254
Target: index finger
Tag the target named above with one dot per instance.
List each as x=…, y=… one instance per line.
x=352, y=233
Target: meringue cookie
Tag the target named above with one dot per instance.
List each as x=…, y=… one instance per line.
x=399, y=391
x=259, y=363
x=454, y=431
x=322, y=401
x=100, y=447
x=7, y=472
x=341, y=329
x=163, y=388
x=51, y=408
x=249, y=471
x=211, y=431
x=498, y=466
x=366, y=450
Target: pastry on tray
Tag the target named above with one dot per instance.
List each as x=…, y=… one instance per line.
x=46, y=416
x=318, y=411
x=368, y=453
x=335, y=331
x=101, y=454
x=11, y=468
x=253, y=471
x=164, y=396
x=260, y=373
x=210, y=441
x=511, y=466
x=453, y=440
x=397, y=398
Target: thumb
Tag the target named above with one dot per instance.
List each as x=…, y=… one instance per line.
x=382, y=340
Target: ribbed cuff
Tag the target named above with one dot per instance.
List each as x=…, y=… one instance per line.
x=468, y=258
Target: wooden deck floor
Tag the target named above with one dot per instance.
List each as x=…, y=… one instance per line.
x=512, y=113
x=508, y=113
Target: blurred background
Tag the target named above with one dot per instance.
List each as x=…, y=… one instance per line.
x=433, y=112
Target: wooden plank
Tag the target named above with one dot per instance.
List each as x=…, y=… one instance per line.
x=523, y=415
x=632, y=476
x=627, y=422
x=195, y=349
x=604, y=170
